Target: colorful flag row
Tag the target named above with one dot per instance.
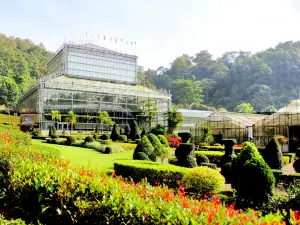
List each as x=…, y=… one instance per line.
x=117, y=40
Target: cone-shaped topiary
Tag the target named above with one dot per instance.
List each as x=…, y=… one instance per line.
x=144, y=146
x=134, y=130
x=256, y=181
x=127, y=131
x=140, y=156
x=115, y=133
x=273, y=155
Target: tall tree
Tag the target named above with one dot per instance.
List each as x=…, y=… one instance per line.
x=244, y=108
x=55, y=116
x=72, y=119
x=103, y=118
x=9, y=93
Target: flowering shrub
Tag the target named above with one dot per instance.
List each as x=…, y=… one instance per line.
x=46, y=189
x=174, y=142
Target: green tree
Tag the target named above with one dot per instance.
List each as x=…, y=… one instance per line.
x=55, y=116
x=174, y=120
x=9, y=93
x=148, y=112
x=103, y=118
x=88, y=118
x=72, y=119
x=244, y=108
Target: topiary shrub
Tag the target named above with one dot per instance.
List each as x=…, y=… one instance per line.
x=273, y=155
x=127, y=131
x=95, y=136
x=138, y=137
x=136, y=141
x=70, y=140
x=249, y=151
x=229, y=150
x=53, y=136
x=163, y=140
x=154, y=140
x=158, y=130
x=256, y=181
x=123, y=138
x=209, y=165
x=143, y=133
x=202, y=159
x=115, y=133
x=296, y=165
x=89, y=139
x=226, y=172
x=105, y=137
x=173, y=161
x=141, y=156
x=122, y=131
x=144, y=146
x=185, y=136
x=185, y=154
x=134, y=130
x=161, y=152
x=108, y=150
x=203, y=180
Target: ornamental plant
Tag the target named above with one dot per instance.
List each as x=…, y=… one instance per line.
x=273, y=155
x=163, y=140
x=115, y=133
x=144, y=146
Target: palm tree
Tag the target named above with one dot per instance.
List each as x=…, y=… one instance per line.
x=55, y=116
x=72, y=119
x=103, y=118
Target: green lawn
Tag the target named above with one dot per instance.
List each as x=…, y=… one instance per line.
x=83, y=156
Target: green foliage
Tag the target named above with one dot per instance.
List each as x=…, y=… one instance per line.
x=103, y=118
x=144, y=146
x=9, y=92
x=53, y=136
x=213, y=156
x=158, y=130
x=161, y=152
x=202, y=159
x=72, y=119
x=273, y=155
x=209, y=165
x=185, y=154
x=163, y=140
x=89, y=139
x=115, y=133
x=244, y=108
x=256, y=181
x=203, y=180
x=143, y=133
x=55, y=115
x=175, y=119
x=70, y=140
x=226, y=172
x=105, y=136
x=122, y=131
x=148, y=112
x=122, y=138
x=154, y=140
x=4, y=221
x=134, y=130
x=206, y=134
x=108, y=150
x=141, y=156
x=127, y=131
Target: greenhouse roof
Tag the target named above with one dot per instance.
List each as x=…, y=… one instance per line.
x=194, y=113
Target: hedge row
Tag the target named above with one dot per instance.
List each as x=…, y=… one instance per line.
x=213, y=156
x=155, y=172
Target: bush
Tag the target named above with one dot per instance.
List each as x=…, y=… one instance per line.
x=70, y=140
x=52, y=131
x=256, y=181
x=53, y=136
x=213, y=156
x=173, y=161
x=229, y=151
x=93, y=145
x=108, y=150
x=4, y=221
x=141, y=156
x=163, y=140
x=185, y=154
x=144, y=146
x=122, y=131
x=89, y=139
x=134, y=130
x=127, y=131
x=212, y=148
x=115, y=133
x=154, y=172
x=162, y=152
x=123, y=138
x=296, y=165
x=203, y=180
x=185, y=136
x=96, y=137
x=143, y=133
x=285, y=160
x=137, y=141
x=202, y=159
x=158, y=130
x=209, y=165
x=154, y=140
x=105, y=136
x=273, y=155
x=226, y=172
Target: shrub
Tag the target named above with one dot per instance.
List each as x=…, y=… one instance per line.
x=213, y=156
x=108, y=150
x=53, y=136
x=122, y=131
x=144, y=146
x=217, y=144
x=134, y=130
x=203, y=180
x=154, y=172
x=158, y=130
x=70, y=140
x=137, y=141
x=163, y=140
x=296, y=165
x=285, y=160
x=185, y=154
x=89, y=139
x=154, y=140
x=161, y=152
x=229, y=151
x=173, y=161
x=202, y=159
x=141, y=156
x=212, y=148
x=226, y=172
x=185, y=136
x=138, y=137
x=273, y=155
x=123, y=138
x=52, y=131
x=174, y=142
x=209, y=165
x=93, y=145
x=115, y=133
x=127, y=131
x=143, y=133
x=256, y=181
x=105, y=136
x=4, y=221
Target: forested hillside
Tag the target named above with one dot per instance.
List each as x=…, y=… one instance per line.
x=267, y=79
x=21, y=63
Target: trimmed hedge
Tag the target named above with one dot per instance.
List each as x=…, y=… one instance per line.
x=285, y=160
x=154, y=172
x=163, y=140
x=105, y=137
x=123, y=138
x=288, y=179
x=210, y=165
x=213, y=156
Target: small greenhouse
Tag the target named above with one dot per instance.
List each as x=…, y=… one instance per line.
x=286, y=122
x=230, y=124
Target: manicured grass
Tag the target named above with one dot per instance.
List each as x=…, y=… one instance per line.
x=15, y=120
x=83, y=156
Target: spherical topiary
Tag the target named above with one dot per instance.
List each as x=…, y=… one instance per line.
x=273, y=155
x=256, y=181
x=122, y=138
x=163, y=140
x=89, y=139
x=105, y=137
x=53, y=136
x=226, y=172
x=108, y=150
x=203, y=180
x=249, y=151
x=202, y=159
x=71, y=140
x=144, y=146
x=115, y=133
x=140, y=156
x=296, y=165
x=154, y=140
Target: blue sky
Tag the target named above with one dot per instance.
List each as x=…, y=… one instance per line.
x=163, y=29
